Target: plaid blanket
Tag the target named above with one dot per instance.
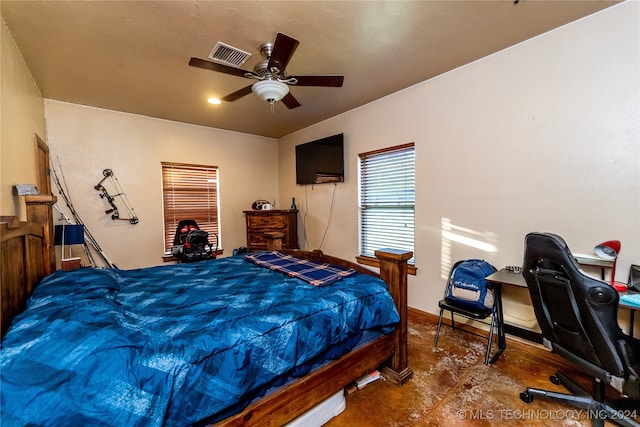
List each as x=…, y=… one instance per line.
x=311, y=272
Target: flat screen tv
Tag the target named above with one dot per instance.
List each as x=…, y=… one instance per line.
x=321, y=161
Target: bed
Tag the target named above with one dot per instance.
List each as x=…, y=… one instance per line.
x=293, y=390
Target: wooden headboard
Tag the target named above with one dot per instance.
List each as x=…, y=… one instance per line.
x=26, y=256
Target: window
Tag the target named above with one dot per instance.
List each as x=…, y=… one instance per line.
x=387, y=200
x=190, y=192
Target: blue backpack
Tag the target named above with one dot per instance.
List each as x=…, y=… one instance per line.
x=467, y=284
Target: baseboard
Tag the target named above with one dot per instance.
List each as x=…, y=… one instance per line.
x=515, y=331
x=423, y=314
x=526, y=334
x=446, y=320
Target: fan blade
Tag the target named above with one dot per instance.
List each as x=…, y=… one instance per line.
x=326, y=81
x=290, y=101
x=237, y=94
x=208, y=65
x=283, y=49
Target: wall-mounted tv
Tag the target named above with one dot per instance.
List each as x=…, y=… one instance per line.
x=320, y=161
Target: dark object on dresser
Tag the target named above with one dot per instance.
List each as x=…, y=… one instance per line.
x=578, y=318
x=273, y=220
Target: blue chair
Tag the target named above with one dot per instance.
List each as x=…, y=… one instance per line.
x=478, y=314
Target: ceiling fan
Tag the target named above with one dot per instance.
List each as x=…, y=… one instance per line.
x=273, y=82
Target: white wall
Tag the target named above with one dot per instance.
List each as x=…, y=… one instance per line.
x=88, y=140
x=21, y=115
x=542, y=136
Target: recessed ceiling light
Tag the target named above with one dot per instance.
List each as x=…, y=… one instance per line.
x=214, y=101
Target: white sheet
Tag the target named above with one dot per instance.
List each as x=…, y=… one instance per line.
x=322, y=412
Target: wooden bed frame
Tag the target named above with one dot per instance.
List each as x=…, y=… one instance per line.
x=26, y=258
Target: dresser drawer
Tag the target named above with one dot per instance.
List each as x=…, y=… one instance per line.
x=274, y=222
x=258, y=238
x=261, y=222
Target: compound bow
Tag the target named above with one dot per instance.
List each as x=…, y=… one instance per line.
x=111, y=198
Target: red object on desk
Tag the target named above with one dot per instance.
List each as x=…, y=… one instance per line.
x=609, y=250
x=619, y=286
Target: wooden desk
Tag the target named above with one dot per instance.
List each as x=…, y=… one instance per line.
x=594, y=261
x=632, y=310
x=497, y=280
x=504, y=277
x=509, y=278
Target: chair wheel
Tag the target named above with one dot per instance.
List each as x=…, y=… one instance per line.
x=555, y=379
x=526, y=397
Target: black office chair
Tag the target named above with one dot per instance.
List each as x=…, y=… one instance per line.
x=477, y=314
x=578, y=318
x=191, y=244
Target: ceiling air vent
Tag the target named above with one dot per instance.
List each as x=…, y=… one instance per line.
x=229, y=55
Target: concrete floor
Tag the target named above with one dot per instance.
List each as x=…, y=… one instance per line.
x=451, y=385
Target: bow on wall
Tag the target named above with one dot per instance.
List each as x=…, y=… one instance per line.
x=116, y=194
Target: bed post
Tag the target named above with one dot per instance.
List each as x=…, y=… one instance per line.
x=393, y=270
x=39, y=210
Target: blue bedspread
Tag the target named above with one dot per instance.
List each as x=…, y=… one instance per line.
x=172, y=345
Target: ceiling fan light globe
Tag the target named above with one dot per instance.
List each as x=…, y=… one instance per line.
x=270, y=91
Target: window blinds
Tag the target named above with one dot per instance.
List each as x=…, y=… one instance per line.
x=387, y=199
x=190, y=192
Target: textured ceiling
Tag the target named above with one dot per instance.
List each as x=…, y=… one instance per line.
x=133, y=56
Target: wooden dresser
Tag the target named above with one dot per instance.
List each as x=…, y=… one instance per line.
x=275, y=220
